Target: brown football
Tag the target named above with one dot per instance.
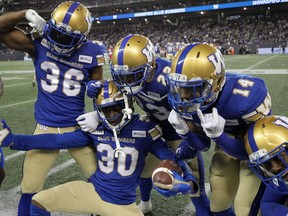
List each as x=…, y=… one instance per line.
x=162, y=176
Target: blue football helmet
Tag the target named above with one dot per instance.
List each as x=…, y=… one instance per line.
x=68, y=27
x=110, y=105
x=266, y=143
x=197, y=76
x=133, y=61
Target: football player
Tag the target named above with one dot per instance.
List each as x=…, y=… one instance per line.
x=2, y=169
x=223, y=105
x=138, y=73
x=121, y=143
x=266, y=142
x=64, y=61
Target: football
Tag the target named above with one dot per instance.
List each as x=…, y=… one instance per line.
x=162, y=176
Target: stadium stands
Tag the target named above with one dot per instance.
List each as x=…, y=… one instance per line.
x=233, y=30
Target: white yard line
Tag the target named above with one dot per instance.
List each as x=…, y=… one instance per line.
x=258, y=71
x=274, y=56
x=16, y=71
x=7, y=86
x=16, y=104
x=11, y=156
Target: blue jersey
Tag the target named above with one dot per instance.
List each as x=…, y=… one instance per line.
x=61, y=82
x=153, y=99
x=273, y=203
x=115, y=179
x=243, y=100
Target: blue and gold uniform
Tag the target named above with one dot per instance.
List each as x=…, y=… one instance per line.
x=243, y=100
x=121, y=144
x=115, y=179
x=61, y=82
x=64, y=61
x=198, y=83
x=137, y=72
x=266, y=145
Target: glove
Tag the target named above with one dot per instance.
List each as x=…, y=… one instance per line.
x=188, y=176
x=213, y=124
x=88, y=121
x=35, y=21
x=6, y=136
x=184, y=151
x=179, y=124
x=180, y=186
x=93, y=87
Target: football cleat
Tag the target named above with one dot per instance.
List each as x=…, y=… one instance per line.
x=145, y=207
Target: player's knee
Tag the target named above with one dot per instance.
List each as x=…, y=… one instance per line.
x=29, y=187
x=242, y=206
x=219, y=202
x=219, y=162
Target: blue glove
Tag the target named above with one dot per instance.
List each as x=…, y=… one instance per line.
x=180, y=186
x=185, y=151
x=93, y=87
x=188, y=174
x=6, y=136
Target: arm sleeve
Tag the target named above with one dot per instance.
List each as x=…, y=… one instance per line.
x=272, y=208
x=51, y=141
x=273, y=203
x=233, y=147
x=197, y=141
x=161, y=150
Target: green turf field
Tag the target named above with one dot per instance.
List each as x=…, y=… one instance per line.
x=16, y=107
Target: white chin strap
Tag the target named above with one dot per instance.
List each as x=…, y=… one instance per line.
x=119, y=149
x=127, y=110
x=62, y=51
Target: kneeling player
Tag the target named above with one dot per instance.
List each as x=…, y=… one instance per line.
x=121, y=141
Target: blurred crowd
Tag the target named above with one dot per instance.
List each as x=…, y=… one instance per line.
x=171, y=34
x=239, y=31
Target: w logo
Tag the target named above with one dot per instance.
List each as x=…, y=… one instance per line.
x=149, y=51
x=218, y=62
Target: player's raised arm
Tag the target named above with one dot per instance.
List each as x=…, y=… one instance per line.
x=13, y=37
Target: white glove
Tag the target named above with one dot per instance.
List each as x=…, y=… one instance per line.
x=35, y=21
x=178, y=122
x=213, y=124
x=88, y=121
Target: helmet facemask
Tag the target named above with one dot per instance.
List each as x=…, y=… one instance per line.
x=186, y=97
x=263, y=163
x=68, y=27
x=266, y=143
x=196, y=79
x=133, y=62
x=60, y=41
x=112, y=107
x=131, y=81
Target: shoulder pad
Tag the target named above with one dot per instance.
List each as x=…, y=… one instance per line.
x=144, y=118
x=262, y=110
x=97, y=42
x=155, y=132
